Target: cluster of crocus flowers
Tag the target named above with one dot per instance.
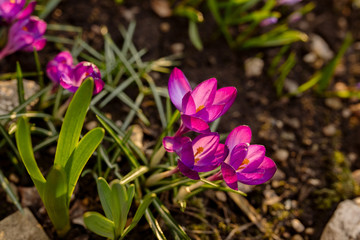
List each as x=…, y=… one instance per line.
x=25, y=32
x=239, y=160
x=61, y=70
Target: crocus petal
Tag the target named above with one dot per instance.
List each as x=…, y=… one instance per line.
x=221, y=152
x=265, y=171
x=240, y=134
x=188, y=172
x=98, y=85
x=38, y=44
x=174, y=144
x=178, y=86
x=237, y=155
x=209, y=114
x=66, y=82
x=188, y=104
x=255, y=155
x=208, y=144
x=226, y=97
x=205, y=165
x=186, y=155
x=27, y=11
x=229, y=176
x=195, y=124
x=204, y=93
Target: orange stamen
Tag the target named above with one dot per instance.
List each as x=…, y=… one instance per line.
x=200, y=108
x=245, y=162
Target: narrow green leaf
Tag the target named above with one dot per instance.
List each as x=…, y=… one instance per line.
x=104, y=192
x=99, y=224
x=23, y=141
x=20, y=84
x=139, y=213
x=123, y=147
x=73, y=122
x=328, y=71
x=49, y=7
x=119, y=205
x=195, y=36
x=38, y=69
x=81, y=155
x=6, y=186
x=154, y=225
x=55, y=199
x=9, y=141
x=169, y=220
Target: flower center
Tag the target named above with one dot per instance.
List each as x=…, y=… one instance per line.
x=242, y=165
x=200, y=108
x=25, y=29
x=198, y=151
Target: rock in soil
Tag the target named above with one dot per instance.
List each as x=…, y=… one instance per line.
x=344, y=224
x=21, y=226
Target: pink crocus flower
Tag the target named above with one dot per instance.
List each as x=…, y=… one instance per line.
x=25, y=34
x=203, y=154
x=11, y=10
x=245, y=163
x=201, y=105
x=61, y=64
x=81, y=71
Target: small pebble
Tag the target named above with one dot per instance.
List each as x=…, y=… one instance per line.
x=329, y=130
x=356, y=176
x=334, y=103
x=177, y=48
x=346, y=113
x=91, y=125
x=297, y=225
x=13, y=178
x=253, y=67
x=165, y=27
x=309, y=231
x=297, y=237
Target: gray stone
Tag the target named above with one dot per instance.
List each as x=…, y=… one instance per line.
x=344, y=224
x=9, y=95
x=21, y=226
x=253, y=67
x=297, y=225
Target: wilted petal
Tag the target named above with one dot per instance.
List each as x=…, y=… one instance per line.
x=226, y=97
x=229, y=176
x=204, y=93
x=265, y=172
x=188, y=172
x=195, y=124
x=178, y=86
x=240, y=134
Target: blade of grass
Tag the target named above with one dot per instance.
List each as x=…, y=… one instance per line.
x=7, y=188
x=154, y=225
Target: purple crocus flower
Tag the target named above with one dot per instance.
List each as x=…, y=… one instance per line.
x=201, y=105
x=268, y=21
x=25, y=34
x=61, y=64
x=245, y=163
x=203, y=154
x=81, y=71
x=11, y=10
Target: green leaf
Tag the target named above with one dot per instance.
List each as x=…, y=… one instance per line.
x=20, y=84
x=120, y=206
x=55, y=199
x=6, y=186
x=73, y=122
x=81, y=155
x=154, y=225
x=105, y=195
x=139, y=213
x=23, y=141
x=99, y=224
x=328, y=71
x=270, y=40
x=123, y=147
x=50, y=6
x=169, y=220
x=195, y=36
